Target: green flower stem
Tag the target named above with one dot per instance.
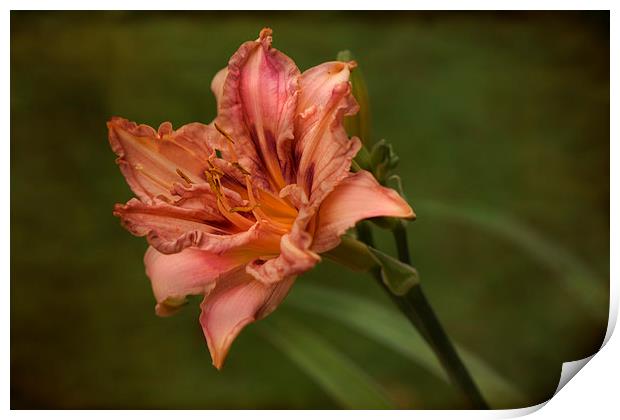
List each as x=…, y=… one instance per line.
x=417, y=308
x=402, y=244
x=443, y=347
x=357, y=255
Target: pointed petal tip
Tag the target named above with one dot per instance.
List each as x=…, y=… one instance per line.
x=356, y=198
x=219, y=347
x=235, y=302
x=338, y=66
x=118, y=209
x=406, y=211
x=266, y=34
x=163, y=310
x=115, y=121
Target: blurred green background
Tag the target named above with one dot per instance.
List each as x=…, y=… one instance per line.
x=501, y=121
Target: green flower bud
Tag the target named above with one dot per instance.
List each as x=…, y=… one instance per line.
x=383, y=160
x=358, y=125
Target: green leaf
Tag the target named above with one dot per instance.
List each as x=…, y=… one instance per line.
x=338, y=375
x=578, y=278
x=391, y=329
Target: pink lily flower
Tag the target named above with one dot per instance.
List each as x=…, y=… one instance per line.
x=236, y=209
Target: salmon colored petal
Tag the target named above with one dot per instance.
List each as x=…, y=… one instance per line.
x=190, y=272
x=217, y=84
x=201, y=197
x=171, y=229
x=323, y=147
x=319, y=81
x=295, y=258
x=236, y=301
x=152, y=161
x=356, y=198
x=257, y=109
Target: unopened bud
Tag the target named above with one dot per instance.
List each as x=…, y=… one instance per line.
x=383, y=160
x=359, y=124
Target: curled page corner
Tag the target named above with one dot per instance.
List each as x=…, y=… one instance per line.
x=570, y=369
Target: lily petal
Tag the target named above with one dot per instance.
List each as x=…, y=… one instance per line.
x=358, y=197
x=152, y=161
x=190, y=272
x=295, y=258
x=257, y=108
x=171, y=229
x=324, y=149
x=217, y=84
x=236, y=301
x=319, y=81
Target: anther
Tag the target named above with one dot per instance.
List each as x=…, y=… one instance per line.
x=245, y=209
x=223, y=133
x=230, y=143
x=241, y=168
x=214, y=169
x=185, y=177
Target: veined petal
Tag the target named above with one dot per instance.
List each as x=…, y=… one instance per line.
x=201, y=197
x=171, y=229
x=152, y=161
x=323, y=148
x=356, y=198
x=319, y=81
x=190, y=272
x=236, y=301
x=257, y=109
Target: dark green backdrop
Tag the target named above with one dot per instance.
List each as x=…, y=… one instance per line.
x=502, y=124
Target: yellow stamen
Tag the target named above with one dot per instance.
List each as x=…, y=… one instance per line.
x=214, y=175
x=213, y=178
x=235, y=218
x=214, y=183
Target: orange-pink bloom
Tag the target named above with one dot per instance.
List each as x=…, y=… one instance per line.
x=236, y=209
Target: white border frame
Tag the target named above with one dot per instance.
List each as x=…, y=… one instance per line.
x=593, y=394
